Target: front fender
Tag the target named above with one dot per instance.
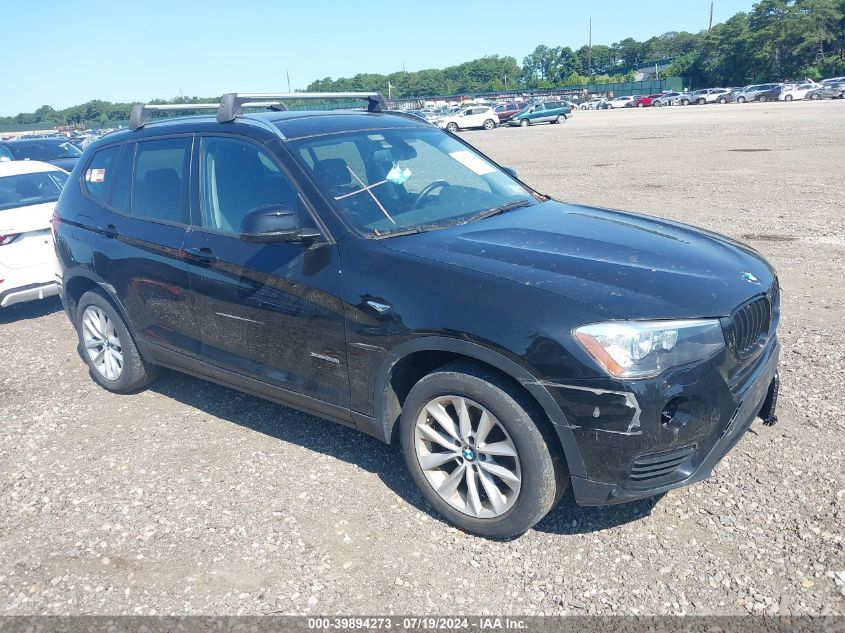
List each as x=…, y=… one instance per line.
x=387, y=408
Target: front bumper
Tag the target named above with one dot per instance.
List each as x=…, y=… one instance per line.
x=696, y=457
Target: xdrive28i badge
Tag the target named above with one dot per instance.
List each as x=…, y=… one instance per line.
x=752, y=279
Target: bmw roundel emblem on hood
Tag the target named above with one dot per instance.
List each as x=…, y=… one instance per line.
x=752, y=279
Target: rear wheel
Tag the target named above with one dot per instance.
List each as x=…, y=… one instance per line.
x=788, y=98
x=477, y=455
x=560, y=119
x=740, y=99
x=815, y=96
x=722, y=100
x=641, y=105
x=702, y=101
x=489, y=124
x=107, y=347
x=762, y=98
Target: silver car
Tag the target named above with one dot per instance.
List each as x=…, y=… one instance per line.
x=749, y=93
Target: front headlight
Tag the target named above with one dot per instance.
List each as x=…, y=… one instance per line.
x=643, y=349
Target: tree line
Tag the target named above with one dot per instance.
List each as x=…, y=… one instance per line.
x=776, y=40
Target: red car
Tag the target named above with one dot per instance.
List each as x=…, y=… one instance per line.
x=507, y=111
x=645, y=101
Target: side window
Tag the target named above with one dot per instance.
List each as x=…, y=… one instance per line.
x=100, y=172
x=122, y=186
x=237, y=177
x=5, y=154
x=160, y=182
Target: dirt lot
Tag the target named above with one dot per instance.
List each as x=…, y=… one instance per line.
x=190, y=498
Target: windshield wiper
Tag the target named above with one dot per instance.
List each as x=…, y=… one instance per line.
x=497, y=210
x=486, y=213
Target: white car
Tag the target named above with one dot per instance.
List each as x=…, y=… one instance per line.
x=28, y=193
x=619, y=102
x=472, y=117
x=796, y=91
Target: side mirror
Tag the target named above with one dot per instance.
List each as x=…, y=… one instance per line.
x=510, y=170
x=274, y=223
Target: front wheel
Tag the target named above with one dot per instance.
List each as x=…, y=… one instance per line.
x=489, y=124
x=722, y=100
x=640, y=105
x=524, y=123
x=107, y=347
x=479, y=453
x=740, y=99
x=763, y=99
x=452, y=127
x=702, y=101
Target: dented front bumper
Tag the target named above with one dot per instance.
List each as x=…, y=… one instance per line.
x=633, y=447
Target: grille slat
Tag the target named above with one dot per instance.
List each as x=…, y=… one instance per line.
x=750, y=325
x=658, y=465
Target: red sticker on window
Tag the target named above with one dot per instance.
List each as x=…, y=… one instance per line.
x=95, y=175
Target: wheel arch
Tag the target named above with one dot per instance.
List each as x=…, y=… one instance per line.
x=412, y=360
x=76, y=283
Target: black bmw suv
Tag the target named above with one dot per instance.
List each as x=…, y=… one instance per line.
x=374, y=270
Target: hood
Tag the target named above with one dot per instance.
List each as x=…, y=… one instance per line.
x=632, y=266
x=34, y=217
x=64, y=163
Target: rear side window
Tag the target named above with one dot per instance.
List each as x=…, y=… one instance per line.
x=160, y=182
x=100, y=172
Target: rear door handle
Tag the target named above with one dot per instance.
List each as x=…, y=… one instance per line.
x=201, y=255
x=109, y=230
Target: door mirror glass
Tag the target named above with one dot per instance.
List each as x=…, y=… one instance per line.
x=271, y=224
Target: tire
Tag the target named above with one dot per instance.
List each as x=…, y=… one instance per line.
x=640, y=105
x=702, y=101
x=103, y=334
x=560, y=119
x=657, y=104
x=541, y=476
x=788, y=98
x=763, y=99
x=685, y=102
x=489, y=124
x=740, y=99
x=524, y=123
x=722, y=100
x=815, y=97
x=452, y=127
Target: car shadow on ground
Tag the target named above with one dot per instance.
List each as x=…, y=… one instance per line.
x=354, y=447
x=30, y=310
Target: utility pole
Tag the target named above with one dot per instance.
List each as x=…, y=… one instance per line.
x=711, y=15
x=287, y=72
x=590, y=47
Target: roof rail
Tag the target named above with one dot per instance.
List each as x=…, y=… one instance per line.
x=232, y=102
x=140, y=110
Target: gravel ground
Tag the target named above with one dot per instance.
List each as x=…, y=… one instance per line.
x=190, y=498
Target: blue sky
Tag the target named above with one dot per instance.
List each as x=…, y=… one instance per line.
x=64, y=53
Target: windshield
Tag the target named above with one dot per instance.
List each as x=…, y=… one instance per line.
x=404, y=180
x=45, y=150
x=26, y=189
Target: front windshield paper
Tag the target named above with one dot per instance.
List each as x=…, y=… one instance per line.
x=473, y=162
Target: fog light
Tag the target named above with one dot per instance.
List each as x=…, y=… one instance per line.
x=676, y=413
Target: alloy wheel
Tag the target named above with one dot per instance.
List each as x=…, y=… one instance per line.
x=467, y=456
x=102, y=344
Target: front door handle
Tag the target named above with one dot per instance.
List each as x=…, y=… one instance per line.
x=202, y=255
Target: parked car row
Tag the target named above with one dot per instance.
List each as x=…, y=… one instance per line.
x=487, y=117
x=832, y=88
